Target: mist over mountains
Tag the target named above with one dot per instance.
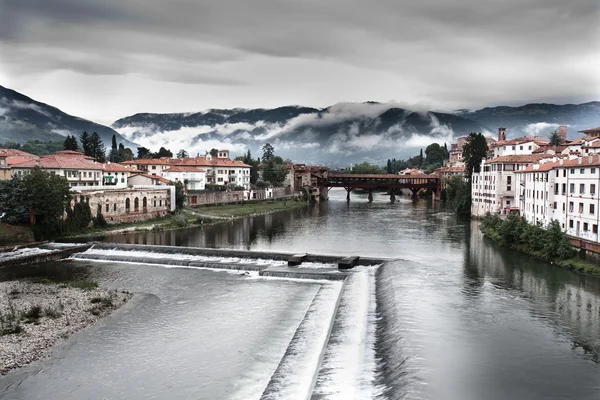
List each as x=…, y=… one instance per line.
x=346, y=132
x=338, y=135
x=23, y=119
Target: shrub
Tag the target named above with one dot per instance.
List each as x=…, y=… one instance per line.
x=33, y=314
x=180, y=221
x=99, y=221
x=82, y=284
x=9, y=321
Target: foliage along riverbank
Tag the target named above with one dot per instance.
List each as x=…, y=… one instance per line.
x=550, y=244
x=197, y=216
x=35, y=314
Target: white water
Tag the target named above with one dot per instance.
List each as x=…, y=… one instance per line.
x=295, y=375
x=23, y=252
x=349, y=366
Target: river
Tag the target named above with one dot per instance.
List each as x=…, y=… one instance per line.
x=452, y=317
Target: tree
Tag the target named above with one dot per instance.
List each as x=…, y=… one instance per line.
x=435, y=154
x=70, y=143
x=163, y=152
x=14, y=201
x=84, y=138
x=214, y=152
x=182, y=154
x=97, y=149
x=125, y=153
x=268, y=152
x=421, y=158
x=47, y=196
x=179, y=194
x=274, y=173
x=555, y=139
x=474, y=150
x=113, y=156
x=366, y=168
x=142, y=153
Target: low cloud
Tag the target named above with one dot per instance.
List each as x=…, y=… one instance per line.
x=540, y=128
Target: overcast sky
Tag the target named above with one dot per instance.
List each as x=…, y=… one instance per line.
x=105, y=59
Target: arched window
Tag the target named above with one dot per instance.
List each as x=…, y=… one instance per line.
x=136, y=204
x=144, y=204
x=115, y=207
x=127, y=205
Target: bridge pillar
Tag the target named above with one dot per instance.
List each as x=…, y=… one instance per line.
x=348, y=195
x=414, y=193
x=392, y=196
x=370, y=195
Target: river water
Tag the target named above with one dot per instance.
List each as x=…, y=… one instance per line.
x=452, y=317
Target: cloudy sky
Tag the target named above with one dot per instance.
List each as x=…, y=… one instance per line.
x=105, y=59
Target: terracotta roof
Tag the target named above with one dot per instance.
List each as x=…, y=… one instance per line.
x=54, y=161
x=149, y=161
x=451, y=169
x=184, y=168
x=521, y=140
x=201, y=161
x=544, y=149
x=593, y=160
x=590, y=131
x=592, y=145
x=383, y=176
x=12, y=160
x=544, y=167
x=517, y=159
x=16, y=153
x=116, y=167
x=159, y=178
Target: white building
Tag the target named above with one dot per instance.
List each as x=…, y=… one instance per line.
x=152, y=166
x=194, y=178
x=566, y=190
x=116, y=175
x=139, y=178
x=220, y=170
x=79, y=170
x=494, y=187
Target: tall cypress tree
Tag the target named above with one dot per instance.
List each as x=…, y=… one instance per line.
x=85, y=140
x=97, y=149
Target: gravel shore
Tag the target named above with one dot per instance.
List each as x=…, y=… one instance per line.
x=34, y=316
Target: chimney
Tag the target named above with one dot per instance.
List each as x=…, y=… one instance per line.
x=501, y=134
x=590, y=159
x=560, y=161
x=579, y=160
x=562, y=132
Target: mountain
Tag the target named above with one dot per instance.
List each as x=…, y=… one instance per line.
x=538, y=118
x=338, y=135
x=23, y=119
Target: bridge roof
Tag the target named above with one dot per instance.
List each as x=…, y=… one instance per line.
x=384, y=176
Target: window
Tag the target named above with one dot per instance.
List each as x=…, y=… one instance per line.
x=594, y=228
x=508, y=180
x=580, y=208
x=593, y=171
x=564, y=188
x=107, y=207
x=593, y=189
x=154, y=167
x=84, y=174
x=570, y=223
x=564, y=206
x=554, y=205
x=572, y=188
x=529, y=147
x=514, y=147
x=572, y=170
x=520, y=147
x=570, y=206
x=592, y=208
x=585, y=226
x=115, y=207
x=557, y=173
x=564, y=173
x=581, y=188
x=582, y=171
x=509, y=188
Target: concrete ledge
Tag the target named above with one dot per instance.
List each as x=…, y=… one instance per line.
x=348, y=262
x=297, y=259
x=44, y=257
x=203, y=251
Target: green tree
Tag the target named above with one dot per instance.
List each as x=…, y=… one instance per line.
x=14, y=201
x=268, y=152
x=435, y=154
x=143, y=152
x=421, y=159
x=70, y=143
x=182, y=154
x=214, y=152
x=125, y=153
x=86, y=144
x=113, y=155
x=555, y=139
x=163, y=152
x=179, y=194
x=48, y=196
x=474, y=150
x=274, y=173
x=366, y=168
x=97, y=149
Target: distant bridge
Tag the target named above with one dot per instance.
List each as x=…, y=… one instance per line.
x=370, y=182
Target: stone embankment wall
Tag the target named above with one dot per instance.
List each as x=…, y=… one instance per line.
x=235, y=196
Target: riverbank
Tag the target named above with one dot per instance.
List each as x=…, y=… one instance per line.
x=197, y=216
x=549, y=244
x=34, y=315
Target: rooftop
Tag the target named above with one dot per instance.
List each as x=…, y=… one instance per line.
x=184, y=168
x=517, y=159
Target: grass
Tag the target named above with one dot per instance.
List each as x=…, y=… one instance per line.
x=82, y=284
x=10, y=321
x=249, y=208
x=100, y=303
